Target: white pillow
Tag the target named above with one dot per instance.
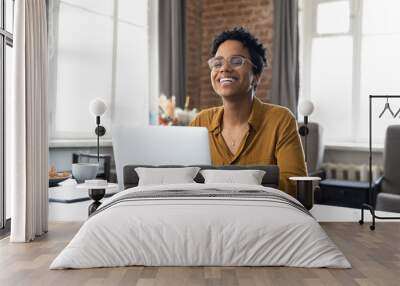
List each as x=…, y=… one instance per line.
x=164, y=176
x=248, y=177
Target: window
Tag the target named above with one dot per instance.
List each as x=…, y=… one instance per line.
x=97, y=49
x=6, y=43
x=333, y=17
x=80, y=65
x=349, y=51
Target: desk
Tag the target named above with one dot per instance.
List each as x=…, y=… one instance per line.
x=72, y=193
x=69, y=203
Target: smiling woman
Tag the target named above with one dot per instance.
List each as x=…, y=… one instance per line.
x=245, y=131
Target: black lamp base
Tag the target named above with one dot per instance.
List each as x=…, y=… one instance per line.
x=96, y=195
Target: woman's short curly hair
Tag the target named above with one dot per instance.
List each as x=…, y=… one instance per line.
x=256, y=49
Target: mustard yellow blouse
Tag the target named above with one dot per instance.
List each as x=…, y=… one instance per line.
x=271, y=140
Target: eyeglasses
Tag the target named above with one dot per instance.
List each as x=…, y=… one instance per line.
x=234, y=61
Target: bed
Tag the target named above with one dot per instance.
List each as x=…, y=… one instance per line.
x=201, y=224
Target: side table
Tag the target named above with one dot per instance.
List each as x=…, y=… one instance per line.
x=96, y=193
x=305, y=192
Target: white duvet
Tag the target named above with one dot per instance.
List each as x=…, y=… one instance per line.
x=200, y=231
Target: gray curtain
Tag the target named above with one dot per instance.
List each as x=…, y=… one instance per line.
x=172, y=49
x=285, y=62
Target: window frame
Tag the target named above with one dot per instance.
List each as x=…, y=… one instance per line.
x=6, y=39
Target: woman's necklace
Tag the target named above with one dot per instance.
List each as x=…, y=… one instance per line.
x=235, y=137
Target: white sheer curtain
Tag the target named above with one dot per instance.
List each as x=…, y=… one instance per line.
x=27, y=142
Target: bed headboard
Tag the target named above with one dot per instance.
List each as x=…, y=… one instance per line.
x=270, y=179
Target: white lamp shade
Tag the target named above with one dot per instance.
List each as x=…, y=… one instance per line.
x=97, y=107
x=306, y=108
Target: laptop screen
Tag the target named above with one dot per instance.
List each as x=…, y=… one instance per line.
x=159, y=145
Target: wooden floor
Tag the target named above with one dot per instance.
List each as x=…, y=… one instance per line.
x=374, y=255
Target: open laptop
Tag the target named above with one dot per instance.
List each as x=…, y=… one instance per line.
x=159, y=145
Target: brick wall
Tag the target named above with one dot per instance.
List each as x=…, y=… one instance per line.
x=193, y=50
x=207, y=18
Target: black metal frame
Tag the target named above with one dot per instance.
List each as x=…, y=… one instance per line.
x=370, y=205
x=2, y=94
x=6, y=39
